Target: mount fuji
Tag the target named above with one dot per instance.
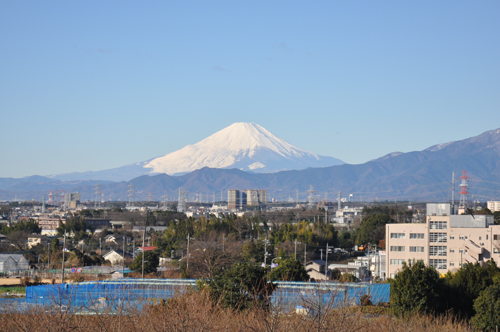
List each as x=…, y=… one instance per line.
x=245, y=146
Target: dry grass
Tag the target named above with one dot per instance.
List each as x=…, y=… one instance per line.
x=197, y=312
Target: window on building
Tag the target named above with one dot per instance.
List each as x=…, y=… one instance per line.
x=438, y=225
x=416, y=235
x=487, y=237
x=452, y=251
x=480, y=239
x=438, y=251
x=460, y=237
x=438, y=264
x=496, y=237
x=416, y=249
x=438, y=237
x=452, y=237
x=397, y=248
x=397, y=235
x=397, y=261
x=452, y=264
x=496, y=250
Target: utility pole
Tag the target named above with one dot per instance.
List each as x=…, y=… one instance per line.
x=133, y=249
x=305, y=256
x=321, y=250
x=48, y=253
x=143, y=248
x=295, y=257
x=123, y=253
x=64, y=249
x=187, y=261
x=100, y=251
x=326, y=265
x=265, y=252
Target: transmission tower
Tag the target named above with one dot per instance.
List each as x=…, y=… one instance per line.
x=56, y=197
x=131, y=193
x=165, y=199
x=311, y=198
x=181, y=202
x=97, y=194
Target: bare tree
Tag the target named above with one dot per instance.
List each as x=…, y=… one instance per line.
x=210, y=254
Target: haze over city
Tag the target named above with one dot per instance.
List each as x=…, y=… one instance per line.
x=92, y=86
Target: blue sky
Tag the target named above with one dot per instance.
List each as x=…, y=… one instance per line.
x=100, y=84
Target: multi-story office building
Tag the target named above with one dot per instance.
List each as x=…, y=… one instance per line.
x=254, y=197
x=444, y=241
x=71, y=200
x=237, y=198
x=233, y=199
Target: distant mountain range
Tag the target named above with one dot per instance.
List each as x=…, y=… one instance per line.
x=245, y=146
x=420, y=175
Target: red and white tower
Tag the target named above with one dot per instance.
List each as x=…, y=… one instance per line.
x=464, y=184
x=51, y=201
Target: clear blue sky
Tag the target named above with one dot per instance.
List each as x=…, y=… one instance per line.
x=91, y=85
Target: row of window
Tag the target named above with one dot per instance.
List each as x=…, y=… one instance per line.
x=437, y=237
x=438, y=225
x=438, y=264
x=438, y=251
x=402, y=235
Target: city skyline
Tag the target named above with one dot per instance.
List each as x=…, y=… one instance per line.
x=101, y=85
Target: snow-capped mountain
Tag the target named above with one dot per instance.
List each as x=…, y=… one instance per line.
x=245, y=146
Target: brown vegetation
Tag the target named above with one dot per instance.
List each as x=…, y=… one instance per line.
x=197, y=312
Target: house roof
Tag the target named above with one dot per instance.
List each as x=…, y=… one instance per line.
x=148, y=248
x=318, y=262
x=5, y=257
x=119, y=252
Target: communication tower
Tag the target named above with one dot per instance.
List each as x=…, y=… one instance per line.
x=464, y=184
x=339, y=201
x=51, y=201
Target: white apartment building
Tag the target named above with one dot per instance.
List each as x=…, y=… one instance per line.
x=493, y=206
x=444, y=241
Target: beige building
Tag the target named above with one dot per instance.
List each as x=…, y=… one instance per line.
x=444, y=241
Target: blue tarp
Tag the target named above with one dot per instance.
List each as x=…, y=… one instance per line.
x=130, y=291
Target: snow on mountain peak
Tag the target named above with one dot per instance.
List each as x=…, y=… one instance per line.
x=247, y=146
